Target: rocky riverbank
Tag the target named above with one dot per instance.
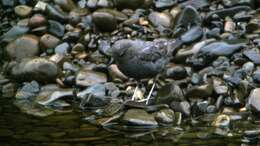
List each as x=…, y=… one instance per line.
x=56, y=58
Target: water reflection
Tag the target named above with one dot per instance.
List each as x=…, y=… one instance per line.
x=69, y=129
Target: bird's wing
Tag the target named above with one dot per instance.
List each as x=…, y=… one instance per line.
x=151, y=53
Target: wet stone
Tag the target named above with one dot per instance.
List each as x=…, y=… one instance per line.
x=253, y=56
x=164, y=3
x=139, y=117
x=62, y=49
x=66, y=5
x=168, y=93
x=14, y=32
x=22, y=10
x=165, y=116
x=196, y=4
x=256, y=76
x=201, y=91
x=132, y=4
x=160, y=19
x=56, y=28
x=192, y=35
x=188, y=17
x=22, y=47
x=230, y=3
x=88, y=78
x=55, y=14
x=220, y=49
x=48, y=41
x=28, y=91
x=177, y=72
x=38, y=69
x=101, y=18
x=254, y=100
x=221, y=121
x=37, y=20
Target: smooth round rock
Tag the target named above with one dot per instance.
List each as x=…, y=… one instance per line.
x=139, y=117
x=22, y=47
x=38, y=69
x=254, y=100
x=104, y=21
x=37, y=20
x=89, y=77
x=160, y=19
x=22, y=10
x=165, y=116
x=192, y=35
x=48, y=41
x=66, y=5
x=56, y=28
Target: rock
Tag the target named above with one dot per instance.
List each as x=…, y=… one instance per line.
x=88, y=78
x=22, y=47
x=228, y=12
x=196, y=4
x=40, y=6
x=15, y=32
x=104, y=46
x=201, y=91
x=189, y=16
x=216, y=49
x=220, y=87
x=62, y=49
x=231, y=3
x=132, y=4
x=56, y=28
x=55, y=14
x=160, y=19
x=8, y=90
x=23, y=10
x=66, y=5
x=139, y=117
x=165, y=116
x=37, y=20
x=28, y=91
x=48, y=100
x=253, y=56
x=254, y=100
x=256, y=77
x=48, y=41
x=192, y=35
x=182, y=107
x=38, y=69
x=221, y=121
x=104, y=3
x=8, y=3
x=176, y=72
x=101, y=18
x=169, y=93
x=164, y=3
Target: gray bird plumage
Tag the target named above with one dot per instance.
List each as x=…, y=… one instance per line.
x=140, y=59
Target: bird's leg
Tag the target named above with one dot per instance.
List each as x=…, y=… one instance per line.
x=133, y=97
x=150, y=93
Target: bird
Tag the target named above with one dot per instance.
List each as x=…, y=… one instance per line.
x=141, y=59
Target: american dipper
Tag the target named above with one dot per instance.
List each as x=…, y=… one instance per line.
x=140, y=59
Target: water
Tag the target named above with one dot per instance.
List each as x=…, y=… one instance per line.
x=69, y=129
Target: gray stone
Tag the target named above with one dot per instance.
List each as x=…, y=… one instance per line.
x=89, y=77
x=38, y=69
x=139, y=117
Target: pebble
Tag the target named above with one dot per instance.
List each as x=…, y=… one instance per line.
x=37, y=20
x=183, y=107
x=66, y=5
x=176, y=72
x=48, y=41
x=253, y=56
x=38, y=69
x=15, y=32
x=254, y=100
x=139, y=117
x=160, y=19
x=161, y=4
x=62, y=48
x=56, y=28
x=87, y=78
x=23, y=47
x=101, y=18
x=23, y=10
x=165, y=116
x=194, y=34
x=169, y=93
